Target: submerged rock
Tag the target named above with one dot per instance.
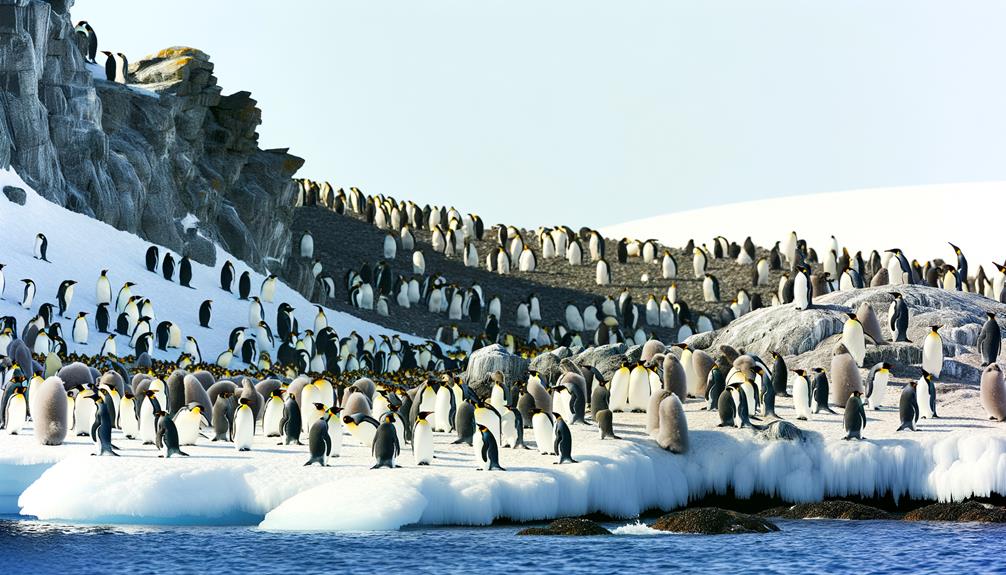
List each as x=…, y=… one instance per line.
x=569, y=526
x=713, y=521
x=828, y=510
x=959, y=511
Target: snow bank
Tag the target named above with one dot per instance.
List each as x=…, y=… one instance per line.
x=857, y=218
x=80, y=247
x=621, y=479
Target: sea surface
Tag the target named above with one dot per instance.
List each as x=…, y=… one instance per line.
x=802, y=547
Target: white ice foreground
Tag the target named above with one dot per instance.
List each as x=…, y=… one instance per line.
x=957, y=456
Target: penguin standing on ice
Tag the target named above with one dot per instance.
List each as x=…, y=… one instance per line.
x=563, y=442
x=821, y=391
x=386, y=446
x=64, y=295
x=876, y=384
x=908, y=407
x=168, y=267
x=855, y=416
x=29, y=294
x=319, y=442
x=80, y=329
x=489, y=456
x=167, y=435
x=185, y=272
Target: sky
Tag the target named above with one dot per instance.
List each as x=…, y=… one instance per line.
x=583, y=112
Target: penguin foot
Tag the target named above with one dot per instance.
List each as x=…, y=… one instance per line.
x=244, y=449
x=801, y=418
x=423, y=463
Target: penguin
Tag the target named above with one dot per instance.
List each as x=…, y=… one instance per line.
x=639, y=387
x=103, y=289
x=15, y=409
x=989, y=340
x=267, y=292
x=64, y=295
x=488, y=455
x=422, y=439
x=699, y=262
x=710, y=288
x=92, y=39
x=306, y=245
x=464, y=423
x=153, y=257
x=273, y=415
x=167, y=435
x=222, y=416
x=716, y=386
x=898, y=318
x=993, y=392
x=29, y=293
x=226, y=276
x=41, y=247
x=926, y=391
x=290, y=423
x=205, y=312
x=908, y=407
x=803, y=297
x=188, y=421
x=876, y=384
x=319, y=441
x=602, y=274
x=127, y=421
x=767, y=394
x=821, y=392
x=244, y=285
x=605, y=424
x=932, y=352
x=619, y=389
x=563, y=442
x=672, y=430
x=49, y=408
x=386, y=446
x=363, y=428
x=185, y=272
x=168, y=266
x=101, y=432
x=544, y=431
x=726, y=407
x=780, y=375
x=80, y=329
x=854, y=339
x=855, y=416
x=243, y=429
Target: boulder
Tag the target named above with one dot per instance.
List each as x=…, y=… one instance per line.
x=713, y=521
x=484, y=361
x=828, y=510
x=964, y=511
x=15, y=194
x=546, y=364
x=605, y=358
x=570, y=526
x=781, y=430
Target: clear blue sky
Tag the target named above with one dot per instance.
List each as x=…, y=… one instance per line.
x=592, y=113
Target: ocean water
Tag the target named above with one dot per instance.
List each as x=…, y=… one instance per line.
x=802, y=547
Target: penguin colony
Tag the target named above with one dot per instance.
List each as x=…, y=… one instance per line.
x=277, y=379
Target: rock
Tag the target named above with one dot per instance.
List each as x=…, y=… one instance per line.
x=547, y=364
x=781, y=430
x=712, y=521
x=570, y=526
x=959, y=511
x=785, y=330
x=605, y=358
x=484, y=361
x=140, y=157
x=828, y=510
x=15, y=194
x=634, y=354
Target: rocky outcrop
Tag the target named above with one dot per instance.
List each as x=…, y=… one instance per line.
x=959, y=511
x=569, y=526
x=167, y=157
x=828, y=510
x=713, y=521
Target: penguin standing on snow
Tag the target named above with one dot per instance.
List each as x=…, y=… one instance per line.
x=319, y=442
x=41, y=247
x=855, y=416
x=821, y=391
x=908, y=407
x=64, y=295
x=489, y=456
x=563, y=442
x=167, y=435
x=386, y=446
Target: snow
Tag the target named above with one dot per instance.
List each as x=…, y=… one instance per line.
x=80, y=247
x=879, y=218
x=98, y=74
x=960, y=455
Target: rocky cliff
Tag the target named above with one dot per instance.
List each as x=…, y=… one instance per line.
x=167, y=157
